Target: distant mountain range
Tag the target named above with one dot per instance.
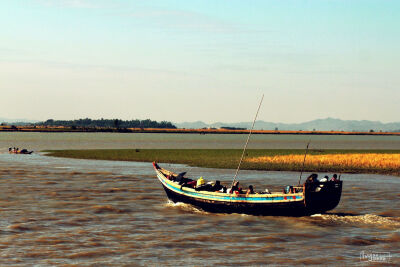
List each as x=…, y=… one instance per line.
x=327, y=124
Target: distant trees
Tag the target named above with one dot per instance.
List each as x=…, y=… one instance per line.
x=116, y=123
x=232, y=128
x=108, y=123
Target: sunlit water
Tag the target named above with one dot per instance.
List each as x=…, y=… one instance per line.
x=82, y=212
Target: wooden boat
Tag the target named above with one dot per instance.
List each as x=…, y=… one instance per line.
x=310, y=198
x=23, y=151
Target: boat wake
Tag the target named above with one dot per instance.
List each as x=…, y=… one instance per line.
x=184, y=207
x=366, y=220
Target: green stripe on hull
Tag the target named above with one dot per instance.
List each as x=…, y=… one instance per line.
x=264, y=199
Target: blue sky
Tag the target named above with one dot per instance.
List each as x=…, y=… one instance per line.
x=200, y=60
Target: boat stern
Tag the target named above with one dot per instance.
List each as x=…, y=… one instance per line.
x=320, y=197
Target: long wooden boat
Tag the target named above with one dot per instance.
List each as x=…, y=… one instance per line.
x=310, y=198
x=24, y=152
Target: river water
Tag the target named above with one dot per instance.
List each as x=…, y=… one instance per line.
x=40, y=141
x=97, y=213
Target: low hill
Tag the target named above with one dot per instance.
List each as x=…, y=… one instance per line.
x=327, y=124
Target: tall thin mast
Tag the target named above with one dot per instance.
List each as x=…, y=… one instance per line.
x=248, y=138
x=304, y=160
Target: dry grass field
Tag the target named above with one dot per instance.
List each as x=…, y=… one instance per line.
x=356, y=161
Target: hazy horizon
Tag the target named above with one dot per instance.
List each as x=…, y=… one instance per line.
x=8, y=120
x=208, y=61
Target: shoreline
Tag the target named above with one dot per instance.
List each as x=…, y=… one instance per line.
x=43, y=129
x=229, y=158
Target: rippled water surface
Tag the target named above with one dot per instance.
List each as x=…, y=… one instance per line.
x=80, y=212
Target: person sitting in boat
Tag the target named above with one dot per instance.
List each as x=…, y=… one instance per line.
x=312, y=178
x=200, y=181
x=325, y=179
x=216, y=186
x=235, y=189
x=205, y=187
x=223, y=189
x=334, y=178
x=202, y=186
x=288, y=189
x=181, y=179
x=191, y=184
x=250, y=191
x=9, y=150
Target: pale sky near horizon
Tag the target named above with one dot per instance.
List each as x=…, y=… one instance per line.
x=200, y=60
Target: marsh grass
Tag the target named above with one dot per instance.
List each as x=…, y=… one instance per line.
x=352, y=162
x=349, y=161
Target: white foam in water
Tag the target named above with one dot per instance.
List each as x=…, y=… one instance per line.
x=184, y=206
x=367, y=219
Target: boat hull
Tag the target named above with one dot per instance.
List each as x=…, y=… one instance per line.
x=22, y=153
x=285, y=209
x=321, y=197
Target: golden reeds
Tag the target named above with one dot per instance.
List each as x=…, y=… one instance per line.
x=368, y=160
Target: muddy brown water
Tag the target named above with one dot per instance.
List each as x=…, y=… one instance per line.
x=97, y=213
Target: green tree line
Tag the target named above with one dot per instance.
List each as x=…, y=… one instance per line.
x=108, y=123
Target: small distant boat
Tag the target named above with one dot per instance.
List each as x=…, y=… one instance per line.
x=23, y=151
x=308, y=199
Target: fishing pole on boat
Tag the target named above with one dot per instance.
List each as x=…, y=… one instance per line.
x=304, y=160
x=247, y=141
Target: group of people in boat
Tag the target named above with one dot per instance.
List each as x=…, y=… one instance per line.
x=313, y=178
x=213, y=186
x=14, y=150
x=317, y=184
